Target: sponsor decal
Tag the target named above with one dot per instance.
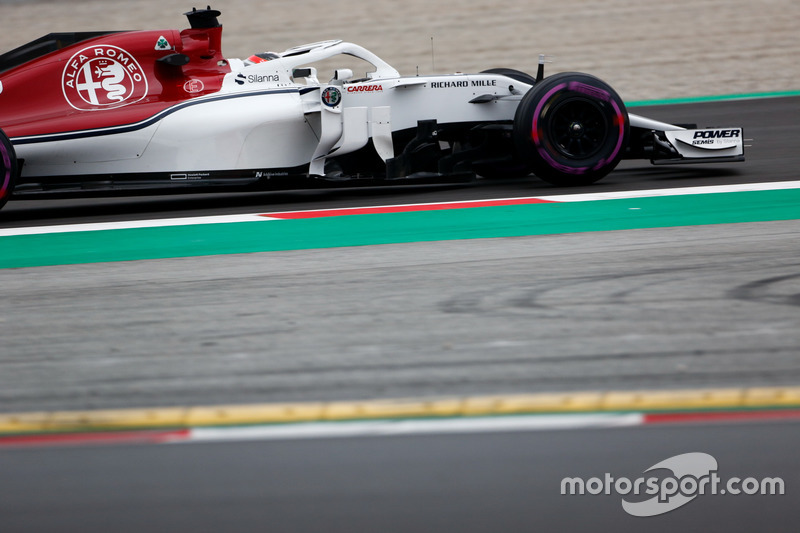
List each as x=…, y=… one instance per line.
x=194, y=86
x=163, y=44
x=715, y=134
x=448, y=84
x=707, y=137
x=241, y=79
x=103, y=77
x=588, y=90
x=189, y=176
x=464, y=83
x=331, y=96
x=262, y=78
x=268, y=174
x=365, y=89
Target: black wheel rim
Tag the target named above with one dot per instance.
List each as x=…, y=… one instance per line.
x=578, y=128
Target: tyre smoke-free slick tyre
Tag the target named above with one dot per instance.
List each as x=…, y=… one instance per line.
x=571, y=128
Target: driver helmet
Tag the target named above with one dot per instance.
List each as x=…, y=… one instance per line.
x=263, y=57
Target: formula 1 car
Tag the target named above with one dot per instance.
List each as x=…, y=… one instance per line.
x=149, y=111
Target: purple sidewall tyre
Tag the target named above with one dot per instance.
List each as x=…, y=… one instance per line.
x=571, y=128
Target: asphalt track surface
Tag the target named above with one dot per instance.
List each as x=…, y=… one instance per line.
x=433, y=483
x=651, y=308
x=666, y=308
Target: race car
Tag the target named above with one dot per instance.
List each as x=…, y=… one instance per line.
x=165, y=110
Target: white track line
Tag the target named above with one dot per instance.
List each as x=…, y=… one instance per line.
x=381, y=428
x=133, y=224
x=678, y=191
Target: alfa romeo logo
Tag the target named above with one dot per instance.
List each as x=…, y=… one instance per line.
x=331, y=96
x=103, y=77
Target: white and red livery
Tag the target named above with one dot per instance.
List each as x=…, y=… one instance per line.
x=148, y=111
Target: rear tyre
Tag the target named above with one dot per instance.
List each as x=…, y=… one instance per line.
x=8, y=168
x=571, y=128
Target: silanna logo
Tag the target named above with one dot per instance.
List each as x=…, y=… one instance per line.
x=103, y=77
